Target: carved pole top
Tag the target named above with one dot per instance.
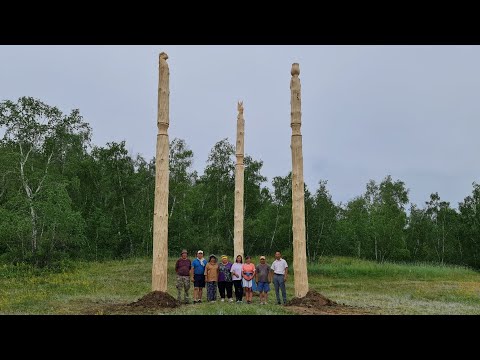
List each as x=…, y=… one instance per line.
x=295, y=69
x=163, y=56
x=240, y=107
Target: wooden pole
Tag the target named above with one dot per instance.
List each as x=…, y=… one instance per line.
x=298, y=191
x=160, y=216
x=239, y=176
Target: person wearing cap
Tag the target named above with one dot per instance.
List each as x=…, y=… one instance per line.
x=225, y=279
x=248, y=273
x=182, y=268
x=211, y=277
x=263, y=277
x=197, y=275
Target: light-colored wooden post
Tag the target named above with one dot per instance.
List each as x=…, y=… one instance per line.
x=239, y=176
x=298, y=191
x=160, y=216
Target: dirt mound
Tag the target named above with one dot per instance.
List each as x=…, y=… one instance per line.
x=313, y=299
x=156, y=300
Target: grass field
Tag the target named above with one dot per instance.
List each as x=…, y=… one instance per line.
x=90, y=288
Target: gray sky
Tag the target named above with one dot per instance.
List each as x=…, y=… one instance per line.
x=367, y=111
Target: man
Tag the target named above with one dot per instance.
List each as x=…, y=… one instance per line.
x=263, y=277
x=182, y=268
x=197, y=275
x=279, y=269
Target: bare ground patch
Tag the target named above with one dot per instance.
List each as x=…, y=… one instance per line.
x=315, y=303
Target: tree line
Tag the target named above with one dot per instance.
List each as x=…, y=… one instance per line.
x=63, y=198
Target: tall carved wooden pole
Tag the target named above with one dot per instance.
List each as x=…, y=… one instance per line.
x=298, y=192
x=160, y=215
x=239, y=172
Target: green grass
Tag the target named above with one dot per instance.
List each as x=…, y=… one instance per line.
x=388, y=288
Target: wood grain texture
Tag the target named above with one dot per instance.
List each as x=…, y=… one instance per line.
x=298, y=190
x=239, y=184
x=160, y=215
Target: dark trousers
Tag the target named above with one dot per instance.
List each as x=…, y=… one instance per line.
x=279, y=284
x=211, y=290
x=238, y=289
x=225, y=285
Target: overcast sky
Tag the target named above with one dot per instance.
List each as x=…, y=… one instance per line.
x=367, y=111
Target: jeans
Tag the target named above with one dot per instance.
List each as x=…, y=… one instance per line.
x=279, y=283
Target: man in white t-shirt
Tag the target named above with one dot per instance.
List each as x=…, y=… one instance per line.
x=279, y=268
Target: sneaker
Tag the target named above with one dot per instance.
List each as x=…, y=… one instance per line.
x=222, y=300
x=230, y=300
x=279, y=303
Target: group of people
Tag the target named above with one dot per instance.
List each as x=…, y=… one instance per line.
x=227, y=276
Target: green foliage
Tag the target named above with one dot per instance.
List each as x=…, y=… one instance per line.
x=62, y=199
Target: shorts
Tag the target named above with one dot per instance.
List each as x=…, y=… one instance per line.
x=198, y=280
x=263, y=286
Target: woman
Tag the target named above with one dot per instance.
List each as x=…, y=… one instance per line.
x=248, y=272
x=236, y=271
x=211, y=278
x=225, y=279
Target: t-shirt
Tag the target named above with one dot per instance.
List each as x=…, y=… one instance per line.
x=211, y=272
x=248, y=271
x=199, y=266
x=279, y=266
x=183, y=266
x=237, y=269
x=224, y=272
x=262, y=271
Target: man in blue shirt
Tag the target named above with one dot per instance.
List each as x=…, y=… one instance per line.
x=197, y=275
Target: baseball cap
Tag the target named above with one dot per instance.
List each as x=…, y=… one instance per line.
x=199, y=252
x=262, y=257
x=184, y=251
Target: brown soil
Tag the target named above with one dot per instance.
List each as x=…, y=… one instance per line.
x=156, y=300
x=315, y=303
x=312, y=299
x=152, y=303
